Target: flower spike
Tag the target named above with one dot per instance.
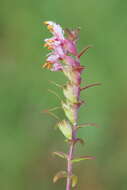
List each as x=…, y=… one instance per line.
x=65, y=58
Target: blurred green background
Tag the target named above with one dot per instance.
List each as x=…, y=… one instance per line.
x=27, y=137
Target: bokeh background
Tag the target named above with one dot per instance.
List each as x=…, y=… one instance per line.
x=27, y=137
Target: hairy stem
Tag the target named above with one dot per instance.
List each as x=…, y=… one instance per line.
x=70, y=157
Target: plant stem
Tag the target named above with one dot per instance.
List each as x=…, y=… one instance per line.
x=70, y=157
x=69, y=167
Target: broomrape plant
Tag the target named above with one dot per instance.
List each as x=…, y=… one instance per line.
x=64, y=57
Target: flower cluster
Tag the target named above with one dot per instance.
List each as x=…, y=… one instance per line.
x=64, y=57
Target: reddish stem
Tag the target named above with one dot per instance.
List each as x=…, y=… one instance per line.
x=69, y=167
x=70, y=157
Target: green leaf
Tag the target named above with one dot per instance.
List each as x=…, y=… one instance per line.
x=83, y=158
x=56, y=84
x=74, y=179
x=60, y=154
x=74, y=141
x=65, y=128
x=59, y=175
x=81, y=141
x=87, y=125
x=53, y=92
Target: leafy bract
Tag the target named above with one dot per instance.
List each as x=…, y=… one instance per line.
x=59, y=175
x=60, y=154
x=74, y=179
x=83, y=158
x=65, y=128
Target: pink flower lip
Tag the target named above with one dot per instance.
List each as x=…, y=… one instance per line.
x=56, y=67
x=62, y=51
x=55, y=29
x=72, y=62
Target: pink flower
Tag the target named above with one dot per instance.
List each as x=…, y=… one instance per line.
x=60, y=46
x=56, y=67
x=53, y=62
x=55, y=29
x=53, y=58
x=71, y=61
x=70, y=47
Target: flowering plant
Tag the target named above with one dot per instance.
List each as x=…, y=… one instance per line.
x=64, y=57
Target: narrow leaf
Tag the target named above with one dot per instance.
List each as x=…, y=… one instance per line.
x=72, y=34
x=81, y=141
x=60, y=154
x=55, y=108
x=83, y=158
x=74, y=141
x=59, y=175
x=87, y=125
x=50, y=113
x=58, y=85
x=90, y=85
x=51, y=91
x=74, y=179
x=83, y=51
